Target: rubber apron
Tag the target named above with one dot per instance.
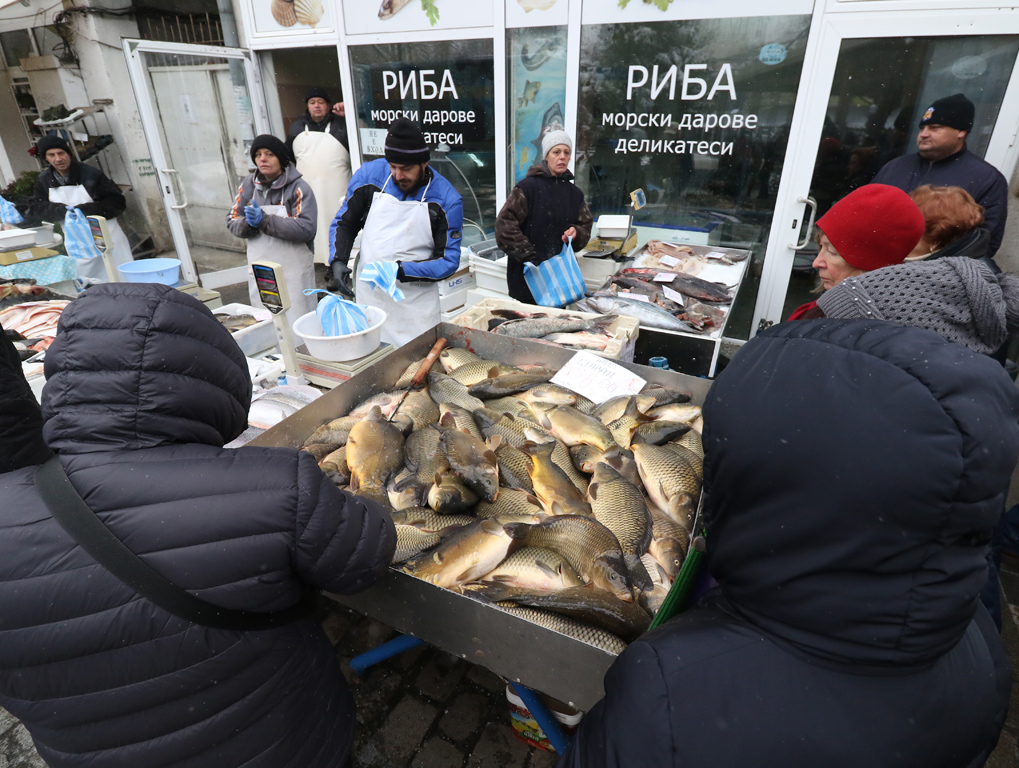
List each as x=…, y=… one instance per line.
x=399, y=230
x=75, y=195
x=298, y=268
x=325, y=164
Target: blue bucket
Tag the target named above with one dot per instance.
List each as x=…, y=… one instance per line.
x=163, y=271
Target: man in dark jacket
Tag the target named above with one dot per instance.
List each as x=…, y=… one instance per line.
x=853, y=473
x=65, y=171
x=942, y=159
x=320, y=115
x=542, y=212
x=144, y=388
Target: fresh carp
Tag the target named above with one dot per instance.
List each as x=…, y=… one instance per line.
x=555, y=489
x=449, y=494
x=692, y=440
x=659, y=432
x=471, y=459
x=615, y=407
x=622, y=428
x=587, y=457
x=573, y=428
x=696, y=462
x=444, y=389
x=549, y=393
x=511, y=502
x=411, y=371
x=319, y=450
x=534, y=568
x=664, y=395
x=514, y=468
x=584, y=603
x=374, y=452
x=669, y=480
x=335, y=466
x=654, y=598
x=560, y=455
x=509, y=428
x=452, y=358
x=416, y=411
x=619, y=505
x=669, y=542
x=411, y=541
x=465, y=555
x=584, y=543
x=425, y=459
x=685, y=412
x=429, y=520
x=403, y=491
x=578, y=630
x=472, y=373
x=386, y=402
x=514, y=406
x=463, y=419
x=335, y=432
x=507, y=384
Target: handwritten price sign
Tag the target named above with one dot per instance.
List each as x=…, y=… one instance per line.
x=596, y=378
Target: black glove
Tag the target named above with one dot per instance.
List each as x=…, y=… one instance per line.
x=340, y=281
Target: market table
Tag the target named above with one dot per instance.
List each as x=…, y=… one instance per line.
x=509, y=646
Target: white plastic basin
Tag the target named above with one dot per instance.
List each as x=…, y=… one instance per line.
x=338, y=349
x=163, y=271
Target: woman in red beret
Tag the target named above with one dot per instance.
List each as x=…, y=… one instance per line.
x=872, y=227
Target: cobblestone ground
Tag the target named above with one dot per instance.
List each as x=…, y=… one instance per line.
x=428, y=709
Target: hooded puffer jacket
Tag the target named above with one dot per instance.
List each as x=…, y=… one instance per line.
x=144, y=387
x=854, y=471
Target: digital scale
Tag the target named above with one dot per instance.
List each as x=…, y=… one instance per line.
x=272, y=291
x=329, y=374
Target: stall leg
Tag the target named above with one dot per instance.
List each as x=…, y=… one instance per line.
x=380, y=653
x=543, y=717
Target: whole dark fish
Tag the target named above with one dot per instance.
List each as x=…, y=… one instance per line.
x=411, y=541
x=429, y=520
x=514, y=468
x=540, y=324
x=689, y=285
x=659, y=432
x=565, y=625
x=506, y=384
x=619, y=505
x=649, y=315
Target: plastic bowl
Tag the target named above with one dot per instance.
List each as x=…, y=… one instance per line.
x=163, y=271
x=338, y=349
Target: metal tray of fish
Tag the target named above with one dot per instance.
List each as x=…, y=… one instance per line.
x=507, y=644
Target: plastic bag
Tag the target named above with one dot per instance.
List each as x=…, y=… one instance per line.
x=8, y=213
x=339, y=317
x=557, y=281
x=78, y=240
x=382, y=275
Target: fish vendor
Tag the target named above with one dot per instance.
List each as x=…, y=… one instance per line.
x=144, y=388
x=68, y=183
x=542, y=212
x=276, y=212
x=317, y=140
x=410, y=219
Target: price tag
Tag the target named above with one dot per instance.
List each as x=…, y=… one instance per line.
x=668, y=261
x=596, y=378
x=261, y=314
x=665, y=277
x=715, y=255
x=637, y=296
x=674, y=295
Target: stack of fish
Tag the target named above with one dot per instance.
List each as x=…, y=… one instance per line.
x=562, y=328
x=514, y=490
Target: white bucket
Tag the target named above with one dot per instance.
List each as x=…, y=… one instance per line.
x=338, y=349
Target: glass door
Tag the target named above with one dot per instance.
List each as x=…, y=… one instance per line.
x=875, y=74
x=196, y=105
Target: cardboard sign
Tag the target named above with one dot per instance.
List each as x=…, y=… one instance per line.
x=676, y=296
x=668, y=261
x=665, y=277
x=596, y=378
x=637, y=296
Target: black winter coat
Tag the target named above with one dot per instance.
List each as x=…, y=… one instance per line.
x=144, y=387
x=107, y=199
x=854, y=471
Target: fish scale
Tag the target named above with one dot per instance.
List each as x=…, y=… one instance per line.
x=444, y=389
x=452, y=358
x=555, y=489
x=535, y=568
x=669, y=480
x=462, y=419
x=429, y=520
x=578, y=630
x=479, y=370
x=513, y=468
x=510, y=502
x=411, y=541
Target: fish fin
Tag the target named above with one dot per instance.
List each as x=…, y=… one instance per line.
x=493, y=372
x=548, y=569
x=491, y=459
x=494, y=442
x=557, y=509
x=532, y=499
x=509, y=314
x=602, y=324
x=636, y=438
x=355, y=483
x=448, y=420
x=592, y=491
x=517, y=531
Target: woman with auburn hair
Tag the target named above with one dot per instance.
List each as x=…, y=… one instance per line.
x=953, y=224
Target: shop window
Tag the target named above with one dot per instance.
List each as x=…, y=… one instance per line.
x=17, y=45
x=448, y=89
x=48, y=42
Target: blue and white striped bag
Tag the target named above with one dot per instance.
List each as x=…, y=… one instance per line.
x=337, y=316
x=558, y=281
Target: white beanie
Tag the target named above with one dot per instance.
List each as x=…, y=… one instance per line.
x=554, y=139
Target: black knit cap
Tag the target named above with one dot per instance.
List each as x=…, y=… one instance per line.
x=274, y=145
x=405, y=144
x=954, y=111
x=317, y=92
x=50, y=141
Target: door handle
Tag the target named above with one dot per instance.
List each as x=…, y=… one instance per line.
x=177, y=185
x=810, y=203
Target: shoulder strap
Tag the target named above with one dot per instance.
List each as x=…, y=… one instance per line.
x=81, y=523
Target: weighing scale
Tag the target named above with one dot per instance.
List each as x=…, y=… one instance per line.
x=272, y=291
x=329, y=374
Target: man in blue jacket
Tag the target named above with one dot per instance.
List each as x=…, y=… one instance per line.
x=942, y=159
x=410, y=218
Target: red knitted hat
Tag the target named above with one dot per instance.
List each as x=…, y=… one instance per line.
x=874, y=226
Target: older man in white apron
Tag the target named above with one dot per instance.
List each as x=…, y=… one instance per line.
x=318, y=142
x=410, y=219
x=275, y=211
x=70, y=183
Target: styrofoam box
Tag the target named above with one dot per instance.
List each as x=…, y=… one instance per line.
x=462, y=278
x=623, y=330
x=597, y=269
x=613, y=226
x=255, y=338
x=10, y=239
x=453, y=300
x=490, y=275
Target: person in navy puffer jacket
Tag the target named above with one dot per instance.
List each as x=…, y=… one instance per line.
x=853, y=470
x=144, y=387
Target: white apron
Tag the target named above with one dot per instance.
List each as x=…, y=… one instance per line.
x=298, y=268
x=399, y=230
x=325, y=164
x=75, y=195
